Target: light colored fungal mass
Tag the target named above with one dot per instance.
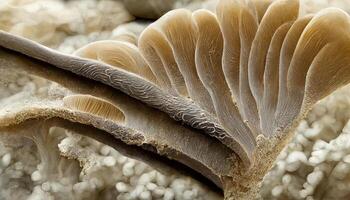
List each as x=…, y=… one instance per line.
x=213, y=95
x=95, y=106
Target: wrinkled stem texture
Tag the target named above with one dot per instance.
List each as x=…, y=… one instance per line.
x=236, y=193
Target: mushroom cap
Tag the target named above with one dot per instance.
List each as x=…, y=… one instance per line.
x=240, y=79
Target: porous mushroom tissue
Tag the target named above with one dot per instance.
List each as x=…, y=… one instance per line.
x=174, y=100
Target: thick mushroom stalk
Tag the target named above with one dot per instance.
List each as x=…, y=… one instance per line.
x=44, y=135
x=240, y=80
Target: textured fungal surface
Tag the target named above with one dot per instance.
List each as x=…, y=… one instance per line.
x=213, y=95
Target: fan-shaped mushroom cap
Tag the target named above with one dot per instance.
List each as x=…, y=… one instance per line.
x=242, y=78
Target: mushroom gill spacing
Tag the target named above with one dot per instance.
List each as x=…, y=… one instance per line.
x=95, y=106
x=261, y=71
x=251, y=70
x=103, y=113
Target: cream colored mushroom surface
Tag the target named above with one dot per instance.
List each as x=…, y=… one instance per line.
x=219, y=93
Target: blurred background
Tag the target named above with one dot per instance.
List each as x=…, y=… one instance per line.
x=316, y=165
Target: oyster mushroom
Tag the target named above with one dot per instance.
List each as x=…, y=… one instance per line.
x=118, y=115
x=218, y=93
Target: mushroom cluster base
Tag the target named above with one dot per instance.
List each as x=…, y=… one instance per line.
x=60, y=164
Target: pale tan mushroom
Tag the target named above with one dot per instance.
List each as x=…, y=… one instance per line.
x=240, y=79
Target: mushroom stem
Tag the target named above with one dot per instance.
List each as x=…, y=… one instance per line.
x=47, y=149
x=236, y=192
x=42, y=134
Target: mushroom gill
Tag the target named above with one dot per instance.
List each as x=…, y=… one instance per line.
x=150, y=134
x=240, y=80
x=117, y=53
x=93, y=105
